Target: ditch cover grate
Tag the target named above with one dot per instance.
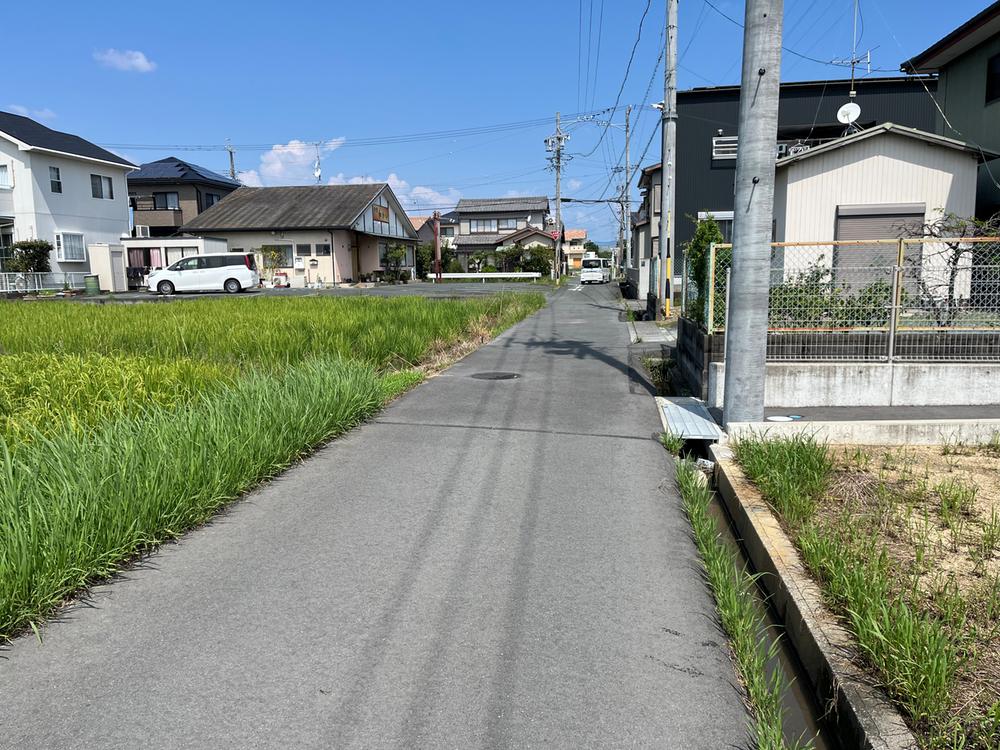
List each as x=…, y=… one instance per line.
x=495, y=375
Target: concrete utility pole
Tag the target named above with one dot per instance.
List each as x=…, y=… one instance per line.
x=437, y=246
x=746, y=318
x=668, y=160
x=557, y=264
x=628, y=194
x=232, y=160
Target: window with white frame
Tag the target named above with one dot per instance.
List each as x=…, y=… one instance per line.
x=101, y=187
x=5, y=176
x=70, y=248
x=503, y=224
x=55, y=180
x=482, y=226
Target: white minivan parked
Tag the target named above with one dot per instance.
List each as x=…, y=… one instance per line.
x=225, y=272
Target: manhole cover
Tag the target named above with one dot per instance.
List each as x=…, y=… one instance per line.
x=496, y=375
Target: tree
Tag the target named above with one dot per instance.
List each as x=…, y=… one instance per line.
x=424, y=260
x=537, y=258
x=30, y=256
x=393, y=260
x=591, y=246
x=696, y=251
x=272, y=258
x=944, y=258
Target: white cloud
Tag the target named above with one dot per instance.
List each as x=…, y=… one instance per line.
x=250, y=178
x=341, y=179
x=290, y=163
x=38, y=114
x=574, y=184
x=415, y=197
x=125, y=59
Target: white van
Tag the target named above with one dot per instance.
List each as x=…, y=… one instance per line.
x=215, y=272
x=606, y=268
x=592, y=271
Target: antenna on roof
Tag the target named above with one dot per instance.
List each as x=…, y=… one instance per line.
x=850, y=112
x=317, y=167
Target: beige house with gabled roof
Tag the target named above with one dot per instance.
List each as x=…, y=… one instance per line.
x=328, y=234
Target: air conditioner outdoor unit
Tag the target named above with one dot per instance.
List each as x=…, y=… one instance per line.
x=782, y=149
x=142, y=230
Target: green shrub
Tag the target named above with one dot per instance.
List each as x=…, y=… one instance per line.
x=29, y=256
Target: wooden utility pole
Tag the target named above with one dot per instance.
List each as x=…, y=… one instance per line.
x=746, y=316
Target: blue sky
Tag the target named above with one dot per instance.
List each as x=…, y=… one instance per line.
x=278, y=78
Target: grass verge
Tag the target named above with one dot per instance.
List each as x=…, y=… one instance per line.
x=733, y=587
x=868, y=537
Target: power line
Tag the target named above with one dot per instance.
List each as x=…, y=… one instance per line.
x=590, y=39
x=621, y=88
x=579, y=50
x=729, y=18
x=597, y=61
x=944, y=117
x=361, y=142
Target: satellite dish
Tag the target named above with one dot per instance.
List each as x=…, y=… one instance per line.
x=849, y=113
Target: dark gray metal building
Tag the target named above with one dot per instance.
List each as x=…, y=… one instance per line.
x=707, y=141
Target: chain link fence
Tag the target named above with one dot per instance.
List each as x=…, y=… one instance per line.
x=875, y=300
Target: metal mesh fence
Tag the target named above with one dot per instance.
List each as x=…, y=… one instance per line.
x=38, y=282
x=915, y=299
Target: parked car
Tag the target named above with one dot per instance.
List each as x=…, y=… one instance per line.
x=606, y=268
x=227, y=272
x=592, y=271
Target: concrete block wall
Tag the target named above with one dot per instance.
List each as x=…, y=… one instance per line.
x=803, y=384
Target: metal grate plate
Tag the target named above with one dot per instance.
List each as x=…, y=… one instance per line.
x=687, y=418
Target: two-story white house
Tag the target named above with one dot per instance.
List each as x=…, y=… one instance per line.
x=59, y=187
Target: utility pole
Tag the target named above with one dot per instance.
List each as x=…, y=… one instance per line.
x=668, y=119
x=628, y=194
x=232, y=160
x=437, y=247
x=554, y=143
x=746, y=318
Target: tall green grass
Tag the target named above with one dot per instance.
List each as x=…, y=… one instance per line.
x=916, y=655
x=73, y=506
x=733, y=587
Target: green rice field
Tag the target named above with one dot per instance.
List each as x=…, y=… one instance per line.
x=121, y=426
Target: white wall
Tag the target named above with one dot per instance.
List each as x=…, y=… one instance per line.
x=886, y=168
x=253, y=241
x=40, y=214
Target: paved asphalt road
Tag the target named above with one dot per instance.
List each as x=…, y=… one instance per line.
x=491, y=563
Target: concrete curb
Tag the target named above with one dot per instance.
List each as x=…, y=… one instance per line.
x=862, y=715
